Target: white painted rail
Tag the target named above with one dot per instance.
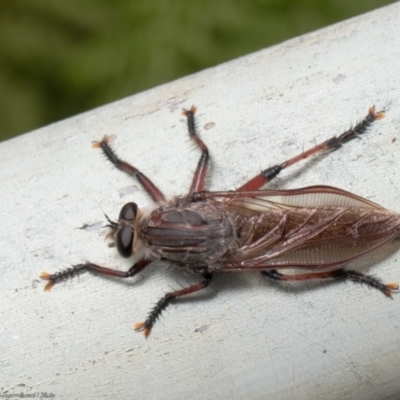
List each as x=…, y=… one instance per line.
x=245, y=338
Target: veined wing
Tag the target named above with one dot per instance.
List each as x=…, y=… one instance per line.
x=311, y=196
x=317, y=227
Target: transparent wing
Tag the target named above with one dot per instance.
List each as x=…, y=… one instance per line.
x=311, y=196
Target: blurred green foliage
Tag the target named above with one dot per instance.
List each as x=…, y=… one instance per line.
x=59, y=58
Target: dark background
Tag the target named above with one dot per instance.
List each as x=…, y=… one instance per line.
x=59, y=58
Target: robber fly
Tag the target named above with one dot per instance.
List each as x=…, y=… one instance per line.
x=316, y=229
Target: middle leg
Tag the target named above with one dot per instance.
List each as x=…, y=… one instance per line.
x=200, y=174
x=164, y=302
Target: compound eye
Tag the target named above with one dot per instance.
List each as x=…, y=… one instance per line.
x=124, y=241
x=128, y=211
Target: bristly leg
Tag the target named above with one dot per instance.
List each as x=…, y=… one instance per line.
x=371, y=281
x=80, y=268
x=153, y=191
x=331, y=144
x=165, y=301
x=200, y=174
x=341, y=273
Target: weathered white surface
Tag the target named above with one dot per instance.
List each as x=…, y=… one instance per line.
x=244, y=337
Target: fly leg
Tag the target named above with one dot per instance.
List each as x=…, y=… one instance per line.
x=164, y=302
x=153, y=191
x=331, y=144
x=200, y=174
x=80, y=268
x=354, y=276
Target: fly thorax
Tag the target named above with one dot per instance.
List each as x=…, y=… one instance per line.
x=195, y=233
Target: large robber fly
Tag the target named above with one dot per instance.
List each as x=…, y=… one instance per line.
x=316, y=229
